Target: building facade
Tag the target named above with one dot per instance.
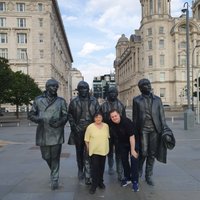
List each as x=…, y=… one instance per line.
x=33, y=39
x=76, y=77
x=101, y=84
x=157, y=51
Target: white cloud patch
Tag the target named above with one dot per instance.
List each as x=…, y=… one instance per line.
x=89, y=48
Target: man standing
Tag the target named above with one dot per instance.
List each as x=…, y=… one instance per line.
x=149, y=118
x=50, y=113
x=81, y=112
x=124, y=132
x=111, y=103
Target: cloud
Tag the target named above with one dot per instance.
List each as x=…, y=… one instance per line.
x=89, y=48
x=69, y=18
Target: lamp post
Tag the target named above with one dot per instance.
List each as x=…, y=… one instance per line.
x=193, y=65
x=188, y=114
x=198, y=96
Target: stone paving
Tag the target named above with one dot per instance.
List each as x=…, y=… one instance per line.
x=25, y=176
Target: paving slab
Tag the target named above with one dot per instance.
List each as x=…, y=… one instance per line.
x=25, y=176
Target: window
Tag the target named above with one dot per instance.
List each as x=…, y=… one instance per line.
x=21, y=22
x=161, y=44
x=149, y=31
x=2, y=6
x=41, y=54
x=151, y=7
x=3, y=38
x=40, y=22
x=150, y=58
x=20, y=7
x=162, y=60
x=161, y=30
x=182, y=59
x=163, y=92
x=162, y=76
x=40, y=7
x=182, y=45
x=159, y=6
x=4, y=53
x=150, y=45
x=22, y=38
x=41, y=38
x=2, y=22
x=21, y=54
x=151, y=77
x=182, y=28
x=42, y=72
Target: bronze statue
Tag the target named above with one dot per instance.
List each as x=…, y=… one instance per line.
x=149, y=118
x=111, y=103
x=50, y=113
x=81, y=112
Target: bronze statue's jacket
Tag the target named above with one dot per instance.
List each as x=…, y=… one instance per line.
x=75, y=111
x=41, y=109
x=158, y=117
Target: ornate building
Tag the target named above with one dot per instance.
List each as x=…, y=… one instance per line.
x=33, y=39
x=157, y=51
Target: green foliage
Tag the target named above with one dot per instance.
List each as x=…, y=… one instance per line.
x=6, y=75
x=16, y=88
x=23, y=89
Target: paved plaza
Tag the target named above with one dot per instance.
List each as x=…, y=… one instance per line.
x=25, y=176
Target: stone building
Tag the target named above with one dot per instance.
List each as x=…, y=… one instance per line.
x=76, y=77
x=157, y=51
x=33, y=39
x=101, y=84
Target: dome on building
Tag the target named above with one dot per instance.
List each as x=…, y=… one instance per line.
x=123, y=38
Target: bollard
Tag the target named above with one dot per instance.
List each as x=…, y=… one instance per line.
x=172, y=119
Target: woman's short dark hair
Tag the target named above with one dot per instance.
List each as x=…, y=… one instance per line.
x=98, y=113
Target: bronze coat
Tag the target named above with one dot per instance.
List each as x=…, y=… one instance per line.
x=41, y=109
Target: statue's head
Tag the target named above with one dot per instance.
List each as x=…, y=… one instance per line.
x=112, y=93
x=145, y=86
x=83, y=89
x=52, y=86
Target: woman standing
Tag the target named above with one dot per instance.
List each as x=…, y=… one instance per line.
x=97, y=142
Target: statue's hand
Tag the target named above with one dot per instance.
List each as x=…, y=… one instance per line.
x=168, y=138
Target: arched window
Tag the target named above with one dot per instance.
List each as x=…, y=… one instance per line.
x=151, y=7
x=159, y=6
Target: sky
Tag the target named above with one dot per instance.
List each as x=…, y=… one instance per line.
x=93, y=28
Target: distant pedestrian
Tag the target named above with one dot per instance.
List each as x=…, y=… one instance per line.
x=97, y=142
x=50, y=113
x=126, y=135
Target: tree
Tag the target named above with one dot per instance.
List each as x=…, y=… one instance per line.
x=22, y=91
x=5, y=77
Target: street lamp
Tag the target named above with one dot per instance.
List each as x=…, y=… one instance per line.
x=198, y=96
x=188, y=114
x=197, y=46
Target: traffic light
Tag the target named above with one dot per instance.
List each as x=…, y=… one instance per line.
x=195, y=94
x=195, y=82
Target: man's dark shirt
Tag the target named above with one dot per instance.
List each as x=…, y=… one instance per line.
x=123, y=131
